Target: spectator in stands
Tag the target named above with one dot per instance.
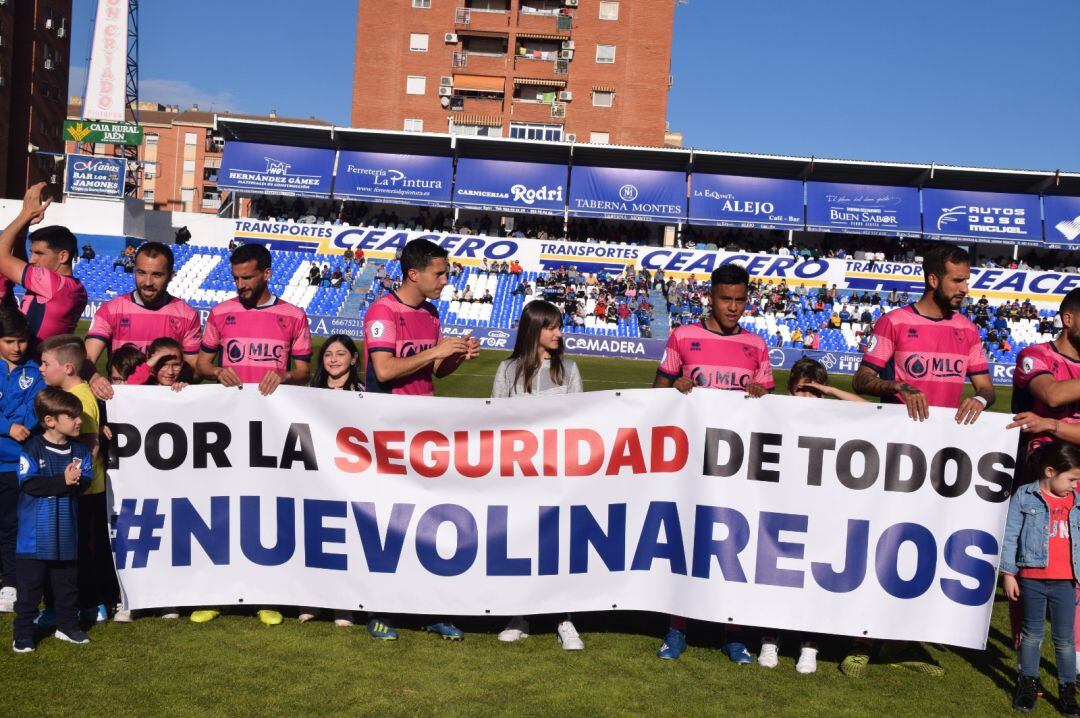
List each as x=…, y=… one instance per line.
x=467, y=295
x=314, y=276
x=88, y=252
x=325, y=274
x=797, y=338
x=347, y=255
x=845, y=315
x=811, y=341
x=834, y=320
x=234, y=243
x=336, y=278
x=359, y=257
x=520, y=290
x=779, y=339
x=516, y=268
x=487, y=298
x=349, y=278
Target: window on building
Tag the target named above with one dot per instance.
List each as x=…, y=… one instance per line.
x=605, y=54
x=148, y=195
x=418, y=41
x=415, y=85
x=189, y=165
x=422, y=4
x=414, y=125
x=476, y=131
x=609, y=11
x=187, y=195
x=149, y=171
x=600, y=138
x=536, y=131
x=210, y=174
x=190, y=138
x=603, y=98
x=151, y=139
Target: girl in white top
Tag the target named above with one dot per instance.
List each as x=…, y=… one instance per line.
x=536, y=367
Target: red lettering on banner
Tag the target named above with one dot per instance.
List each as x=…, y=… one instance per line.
x=660, y=435
x=551, y=452
x=440, y=455
x=385, y=453
x=574, y=464
x=626, y=453
x=461, y=454
x=517, y=446
x=351, y=442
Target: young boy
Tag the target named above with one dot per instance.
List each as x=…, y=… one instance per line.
x=53, y=471
x=20, y=382
x=62, y=357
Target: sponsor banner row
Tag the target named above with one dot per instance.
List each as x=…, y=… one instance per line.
x=851, y=521
x=1043, y=287
x=650, y=195
x=89, y=176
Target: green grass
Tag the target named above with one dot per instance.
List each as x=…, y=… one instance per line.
x=236, y=666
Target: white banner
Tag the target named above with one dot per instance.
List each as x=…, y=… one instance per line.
x=808, y=515
x=106, y=88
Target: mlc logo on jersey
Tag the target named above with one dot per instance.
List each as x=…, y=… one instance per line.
x=237, y=351
x=918, y=366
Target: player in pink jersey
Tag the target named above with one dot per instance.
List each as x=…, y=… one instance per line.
x=404, y=347
x=257, y=334
x=404, y=352
x=923, y=353
x=147, y=314
x=54, y=299
x=716, y=354
x=1046, y=383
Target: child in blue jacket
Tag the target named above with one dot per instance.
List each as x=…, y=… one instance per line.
x=1040, y=560
x=54, y=468
x=20, y=382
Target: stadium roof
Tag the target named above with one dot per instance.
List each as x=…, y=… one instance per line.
x=711, y=161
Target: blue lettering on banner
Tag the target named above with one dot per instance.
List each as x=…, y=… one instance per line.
x=499, y=185
x=631, y=194
x=276, y=169
x=962, y=577
x=863, y=209
x=731, y=201
x=403, y=179
x=984, y=216
x=88, y=176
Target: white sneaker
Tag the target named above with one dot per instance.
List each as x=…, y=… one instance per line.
x=122, y=615
x=308, y=614
x=568, y=637
x=516, y=630
x=7, y=599
x=807, y=660
x=170, y=614
x=769, y=656
x=343, y=619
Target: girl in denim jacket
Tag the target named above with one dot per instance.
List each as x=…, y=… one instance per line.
x=1040, y=560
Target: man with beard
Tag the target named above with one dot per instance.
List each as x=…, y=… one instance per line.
x=256, y=333
x=921, y=355
x=144, y=315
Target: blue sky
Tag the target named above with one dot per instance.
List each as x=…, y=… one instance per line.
x=980, y=82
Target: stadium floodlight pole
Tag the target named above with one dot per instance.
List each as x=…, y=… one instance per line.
x=131, y=98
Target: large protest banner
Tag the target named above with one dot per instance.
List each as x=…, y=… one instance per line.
x=837, y=518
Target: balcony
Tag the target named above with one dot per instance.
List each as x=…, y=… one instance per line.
x=546, y=23
x=529, y=66
x=481, y=20
x=478, y=105
x=480, y=63
x=213, y=203
x=534, y=112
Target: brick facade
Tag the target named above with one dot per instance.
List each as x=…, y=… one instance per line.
x=501, y=48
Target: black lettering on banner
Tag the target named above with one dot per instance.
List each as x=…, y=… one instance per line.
x=758, y=456
x=298, y=447
x=203, y=448
x=871, y=464
x=817, y=445
x=258, y=460
x=1000, y=481
x=963, y=472
x=153, y=446
x=126, y=442
x=894, y=455
x=713, y=437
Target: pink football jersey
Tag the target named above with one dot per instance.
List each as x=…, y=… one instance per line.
x=126, y=320
x=257, y=340
x=717, y=361
x=391, y=325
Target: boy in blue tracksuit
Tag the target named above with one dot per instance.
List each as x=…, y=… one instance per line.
x=20, y=382
x=54, y=468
